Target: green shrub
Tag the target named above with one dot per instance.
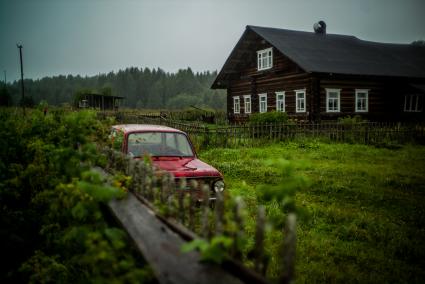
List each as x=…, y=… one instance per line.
x=348, y=120
x=269, y=117
x=53, y=228
x=192, y=114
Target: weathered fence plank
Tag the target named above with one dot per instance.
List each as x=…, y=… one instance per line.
x=161, y=246
x=159, y=189
x=289, y=246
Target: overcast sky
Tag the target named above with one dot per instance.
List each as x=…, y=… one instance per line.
x=97, y=36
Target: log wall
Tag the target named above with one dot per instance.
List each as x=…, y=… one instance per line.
x=386, y=95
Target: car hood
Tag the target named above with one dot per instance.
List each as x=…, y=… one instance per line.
x=185, y=167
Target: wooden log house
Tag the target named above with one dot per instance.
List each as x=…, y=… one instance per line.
x=316, y=76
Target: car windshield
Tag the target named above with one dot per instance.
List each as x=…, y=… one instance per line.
x=159, y=144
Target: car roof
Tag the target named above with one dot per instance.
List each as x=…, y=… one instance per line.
x=126, y=128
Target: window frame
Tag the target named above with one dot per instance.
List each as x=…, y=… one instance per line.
x=260, y=58
x=417, y=103
x=245, y=97
x=280, y=93
x=338, y=91
x=297, y=93
x=262, y=95
x=358, y=91
x=236, y=98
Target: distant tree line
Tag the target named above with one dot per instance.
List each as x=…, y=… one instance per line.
x=141, y=88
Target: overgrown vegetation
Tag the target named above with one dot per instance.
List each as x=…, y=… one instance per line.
x=361, y=214
x=361, y=219
x=53, y=225
x=269, y=117
x=351, y=120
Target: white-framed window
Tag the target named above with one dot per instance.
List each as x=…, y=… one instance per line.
x=413, y=103
x=265, y=59
x=333, y=101
x=280, y=101
x=300, y=100
x=262, y=98
x=236, y=105
x=247, y=103
x=362, y=100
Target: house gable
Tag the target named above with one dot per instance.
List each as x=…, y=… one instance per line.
x=242, y=61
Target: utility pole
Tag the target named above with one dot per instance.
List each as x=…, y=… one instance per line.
x=22, y=77
x=4, y=71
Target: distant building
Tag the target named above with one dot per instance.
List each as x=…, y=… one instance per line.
x=99, y=101
x=316, y=76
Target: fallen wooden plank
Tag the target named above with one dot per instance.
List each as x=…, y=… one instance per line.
x=161, y=247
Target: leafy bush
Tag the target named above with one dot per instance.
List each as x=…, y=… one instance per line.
x=193, y=114
x=348, y=120
x=269, y=117
x=53, y=226
x=213, y=251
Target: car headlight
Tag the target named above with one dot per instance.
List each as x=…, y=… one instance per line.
x=219, y=186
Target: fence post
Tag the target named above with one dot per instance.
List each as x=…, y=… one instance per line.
x=136, y=177
x=205, y=211
x=259, y=264
x=181, y=197
x=289, y=246
x=191, y=211
x=206, y=141
x=238, y=235
x=219, y=211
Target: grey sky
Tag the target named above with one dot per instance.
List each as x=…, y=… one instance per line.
x=98, y=36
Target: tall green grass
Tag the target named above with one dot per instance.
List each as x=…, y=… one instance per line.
x=364, y=214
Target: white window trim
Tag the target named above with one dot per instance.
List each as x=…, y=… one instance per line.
x=264, y=95
x=414, y=108
x=277, y=101
x=367, y=99
x=234, y=105
x=259, y=64
x=245, y=103
x=297, y=92
x=338, y=91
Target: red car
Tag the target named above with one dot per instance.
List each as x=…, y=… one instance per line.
x=170, y=149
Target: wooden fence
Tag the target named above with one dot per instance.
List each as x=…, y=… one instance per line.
x=192, y=116
x=194, y=216
x=361, y=133
x=375, y=133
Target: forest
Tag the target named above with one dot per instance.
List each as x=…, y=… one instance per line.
x=141, y=88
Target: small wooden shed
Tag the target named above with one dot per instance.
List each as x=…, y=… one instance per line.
x=99, y=101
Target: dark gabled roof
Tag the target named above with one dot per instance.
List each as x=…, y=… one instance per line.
x=338, y=54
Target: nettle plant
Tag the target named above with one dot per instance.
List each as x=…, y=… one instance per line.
x=52, y=202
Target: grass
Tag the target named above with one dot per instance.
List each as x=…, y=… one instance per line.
x=364, y=213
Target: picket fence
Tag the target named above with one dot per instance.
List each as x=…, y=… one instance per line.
x=370, y=133
x=179, y=206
